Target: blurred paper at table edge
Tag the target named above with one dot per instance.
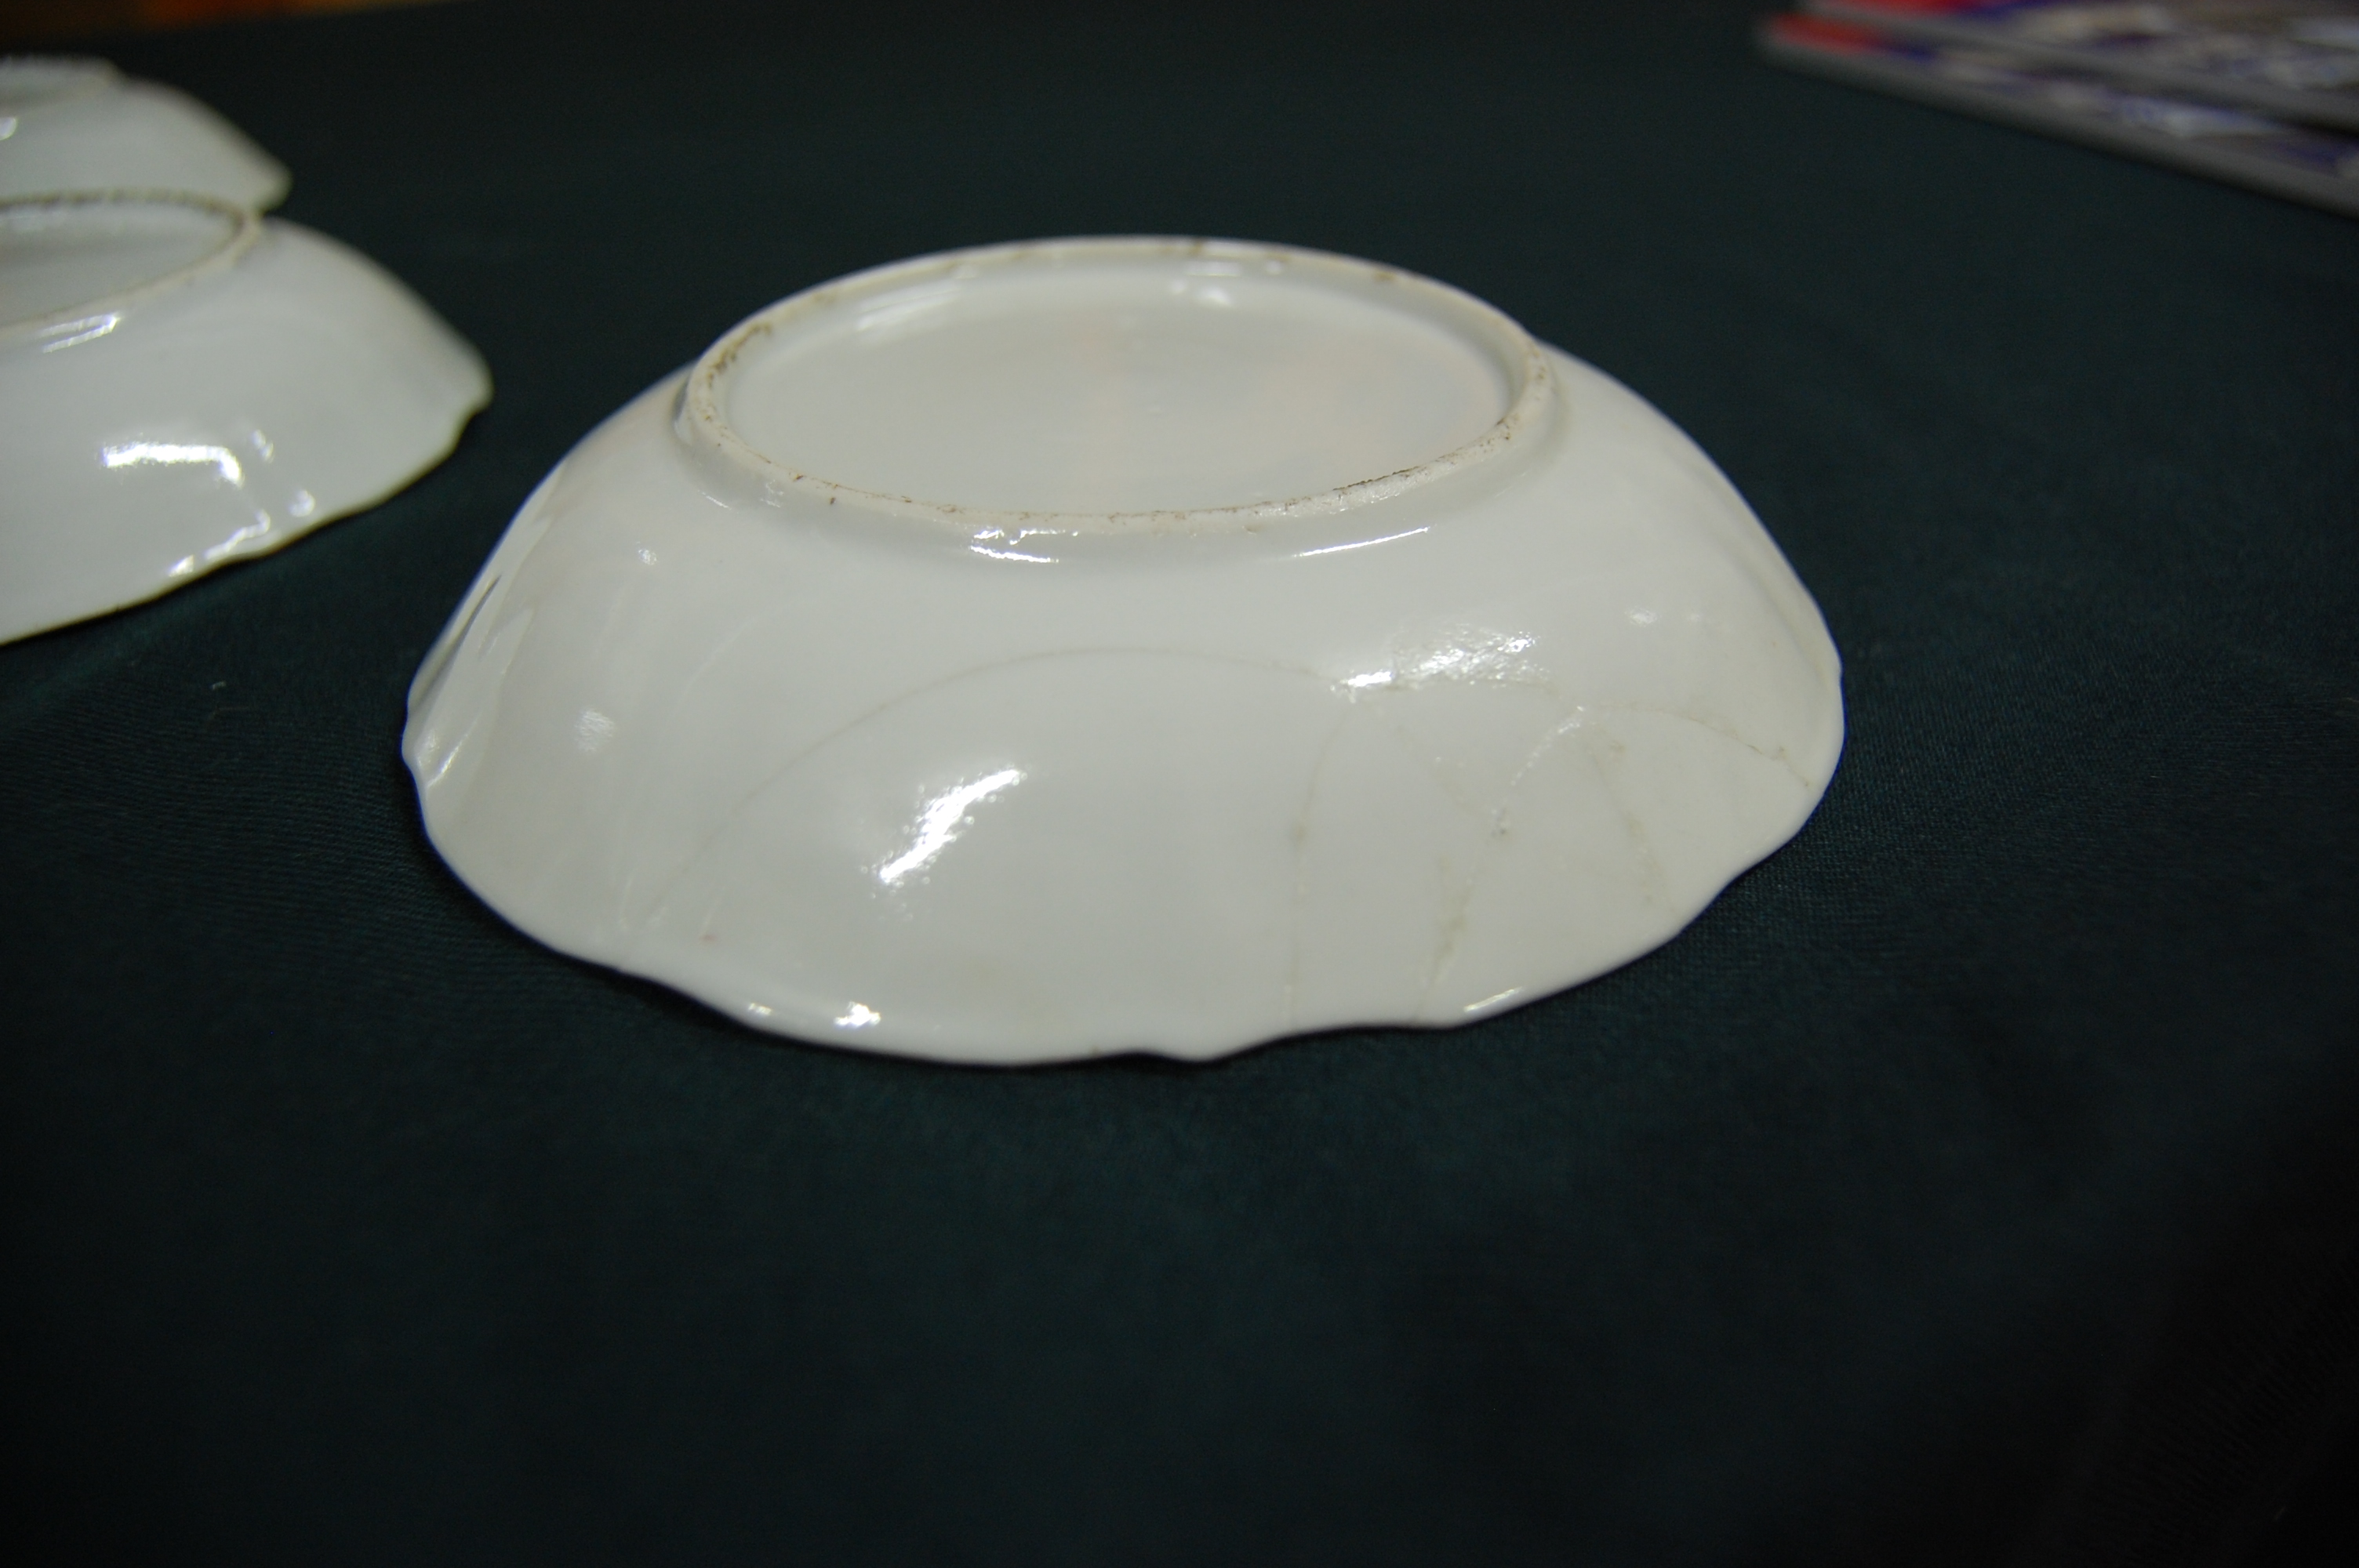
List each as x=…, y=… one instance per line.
x=2302, y=163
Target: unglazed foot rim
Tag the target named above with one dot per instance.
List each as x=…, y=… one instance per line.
x=704, y=423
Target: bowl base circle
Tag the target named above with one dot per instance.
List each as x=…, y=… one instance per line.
x=59, y=255
x=1113, y=385
x=1154, y=381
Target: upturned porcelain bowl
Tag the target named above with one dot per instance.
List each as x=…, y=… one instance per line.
x=69, y=124
x=1061, y=649
x=185, y=384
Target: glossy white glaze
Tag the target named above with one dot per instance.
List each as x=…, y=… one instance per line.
x=970, y=772
x=185, y=384
x=70, y=124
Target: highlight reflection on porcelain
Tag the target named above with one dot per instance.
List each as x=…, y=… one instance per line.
x=187, y=383
x=69, y=124
x=1054, y=650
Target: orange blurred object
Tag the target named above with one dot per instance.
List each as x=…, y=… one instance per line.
x=181, y=12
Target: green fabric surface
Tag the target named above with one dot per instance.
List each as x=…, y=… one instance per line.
x=1973, y=1183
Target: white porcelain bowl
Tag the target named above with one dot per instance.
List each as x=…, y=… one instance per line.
x=69, y=124
x=182, y=384
x=1061, y=649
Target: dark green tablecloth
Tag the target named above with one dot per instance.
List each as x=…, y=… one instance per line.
x=1973, y=1183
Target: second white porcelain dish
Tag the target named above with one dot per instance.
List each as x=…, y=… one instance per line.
x=1054, y=650
x=71, y=124
x=185, y=384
